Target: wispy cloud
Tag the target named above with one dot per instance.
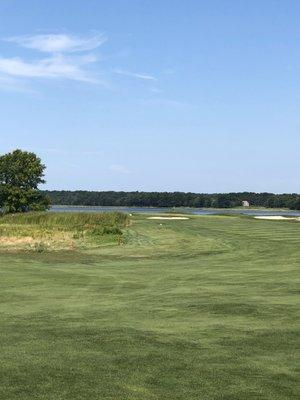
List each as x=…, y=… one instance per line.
x=59, y=43
x=143, y=76
x=60, y=56
x=121, y=169
x=59, y=64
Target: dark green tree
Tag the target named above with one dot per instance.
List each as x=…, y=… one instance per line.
x=20, y=174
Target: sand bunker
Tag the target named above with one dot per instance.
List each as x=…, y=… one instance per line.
x=277, y=218
x=168, y=218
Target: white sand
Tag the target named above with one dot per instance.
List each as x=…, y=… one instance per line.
x=167, y=218
x=277, y=218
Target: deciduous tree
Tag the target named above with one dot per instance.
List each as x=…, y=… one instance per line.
x=20, y=174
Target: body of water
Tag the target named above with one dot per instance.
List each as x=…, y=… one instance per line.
x=153, y=210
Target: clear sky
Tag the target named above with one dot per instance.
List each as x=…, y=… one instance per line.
x=190, y=95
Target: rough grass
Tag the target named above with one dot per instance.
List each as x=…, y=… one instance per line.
x=204, y=308
x=53, y=231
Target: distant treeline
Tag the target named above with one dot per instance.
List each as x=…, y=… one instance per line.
x=173, y=199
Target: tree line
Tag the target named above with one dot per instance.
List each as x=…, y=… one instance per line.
x=21, y=173
x=172, y=199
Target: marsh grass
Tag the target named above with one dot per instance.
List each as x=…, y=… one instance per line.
x=42, y=231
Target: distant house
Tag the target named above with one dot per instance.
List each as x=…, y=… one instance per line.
x=245, y=203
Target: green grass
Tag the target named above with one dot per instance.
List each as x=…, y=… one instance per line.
x=196, y=309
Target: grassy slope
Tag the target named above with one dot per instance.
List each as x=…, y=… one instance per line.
x=197, y=309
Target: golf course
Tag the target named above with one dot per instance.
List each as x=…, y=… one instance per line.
x=130, y=307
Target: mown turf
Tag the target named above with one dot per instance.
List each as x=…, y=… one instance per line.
x=204, y=308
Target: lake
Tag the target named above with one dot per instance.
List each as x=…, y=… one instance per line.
x=153, y=210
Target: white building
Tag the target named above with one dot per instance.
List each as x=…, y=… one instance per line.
x=245, y=203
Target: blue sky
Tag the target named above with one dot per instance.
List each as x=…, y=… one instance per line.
x=191, y=95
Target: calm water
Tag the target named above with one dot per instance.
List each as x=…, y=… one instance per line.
x=152, y=210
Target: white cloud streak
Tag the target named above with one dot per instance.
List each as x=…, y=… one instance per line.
x=142, y=76
x=59, y=43
x=59, y=64
x=57, y=56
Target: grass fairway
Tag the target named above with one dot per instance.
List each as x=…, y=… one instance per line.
x=204, y=308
